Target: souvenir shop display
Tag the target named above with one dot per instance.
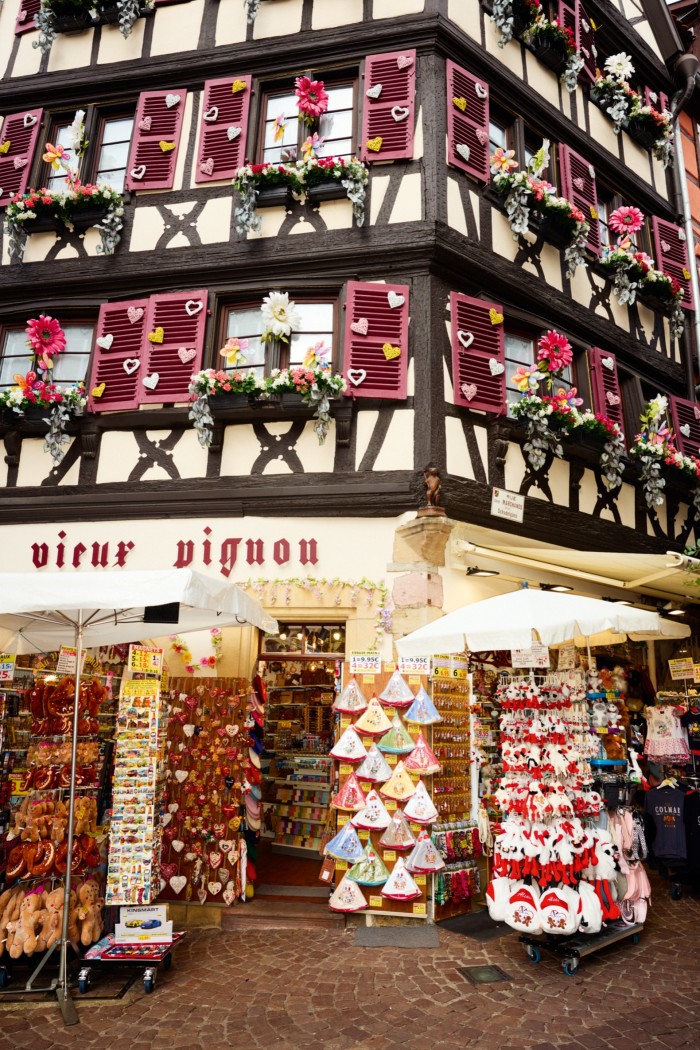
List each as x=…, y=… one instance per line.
x=667, y=737
x=386, y=797
x=458, y=882
x=210, y=787
x=451, y=693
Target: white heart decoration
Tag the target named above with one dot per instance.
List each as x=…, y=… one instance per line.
x=193, y=306
x=214, y=888
x=207, y=166
x=681, y=235
x=211, y=114
x=173, y=807
x=374, y=92
x=224, y=875
x=163, y=884
x=188, y=730
x=190, y=856
x=591, y=171
x=165, y=819
x=229, y=895
x=685, y=429
x=360, y=326
x=181, y=746
x=404, y=61
x=29, y=120
x=612, y=399
x=356, y=375
x=134, y=313
x=465, y=338
x=215, y=860
x=178, y=883
x=696, y=410
x=131, y=365
x=138, y=173
x=186, y=354
x=178, y=845
x=202, y=895
x=585, y=26
x=171, y=100
x=20, y=162
x=665, y=246
x=232, y=730
x=151, y=382
x=400, y=113
x=464, y=151
x=497, y=368
x=394, y=299
x=469, y=391
x=226, y=845
x=181, y=775
x=232, y=133
x=105, y=341
x=607, y=362
x=481, y=91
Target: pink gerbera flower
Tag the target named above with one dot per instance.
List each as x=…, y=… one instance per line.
x=626, y=220
x=46, y=338
x=312, y=99
x=555, y=349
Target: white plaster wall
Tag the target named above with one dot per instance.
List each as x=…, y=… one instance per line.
x=448, y=388
x=550, y=259
x=35, y=464
x=396, y=8
x=459, y=461
x=337, y=215
x=408, y=206
x=28, y=58
x=511, y=55
x=272, y=219
x=189, y=457
x=503, y=243
x=602, y=129
x=645, y=32
x=456, y=218
x=418, y=136
x=8, y=17
x=177, y=27
x=366, y=420
x=231, y=23
x=114, y=48
x=542, y=79
x=214, y=223
x=179, y=177
x=637, y=159
x=70, y=50
x=397, y=451
x=326, y=14
x=119, y=454
x=316, y=459
x=378, y=187
x=467, y=15
x=279, y=18
x=147, y=228
x=240, y=450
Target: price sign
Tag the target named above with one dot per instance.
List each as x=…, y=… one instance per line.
x=449, y=667
x=67, y=660
x=366, y=663
x=535, y=656
x=145, y=658
x=341, y=865
x=566, y=660
x=390, y=805
x=7, y=667
x=414, y=679
x=345, y=770
x=363, y=834
x=681, y=668
x=368, y=679
x=376, y=902
x=419, y=880
x=696, y=673
x=414, y=664
x=419, y=909
x=389, y=854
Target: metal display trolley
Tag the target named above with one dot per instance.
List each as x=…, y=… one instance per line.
x=572, y=949
x=147, y=957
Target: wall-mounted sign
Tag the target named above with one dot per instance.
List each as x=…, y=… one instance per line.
x=145, y=659
x=414, y=664
x=366, y=663
x=508, y=505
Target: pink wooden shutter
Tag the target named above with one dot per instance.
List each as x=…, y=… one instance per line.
x=467, y=122
x=223, y=128
x=605, y=386
x=376, y=323
x=586, y=43
x=671, y=254
x=577, y=178
x=388, y=106
x=478, y=354
x=25, y=16
x=180, y=318
x=18, y=139
x=657, y=100
x=685, y=419
x=158, y=120
x=117, y=360
x=567, y=15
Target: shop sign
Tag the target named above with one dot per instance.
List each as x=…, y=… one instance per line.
x=681, y=668
x=508, y=505
x=67, y=660
x=7, y=667
x=365, y=663
x=566, y=660
x=414, y=665
x=450, y=667
x=536, y=655
x=145, y=659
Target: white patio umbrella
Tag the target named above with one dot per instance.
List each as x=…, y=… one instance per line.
x=42, y=611
x=517, y=619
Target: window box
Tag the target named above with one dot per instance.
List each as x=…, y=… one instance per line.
x=87, y=217
x=652, y=300
x=45, y=224
x=76, y=22
x=555, y=56
x=555, y=233
x=222, y=404
x=270, y=196
x=331, y=190
x=109, y=15
x=643, y=133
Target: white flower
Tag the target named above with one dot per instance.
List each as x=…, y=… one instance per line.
x=280, y=315
x=76, y=131
x=620, y=66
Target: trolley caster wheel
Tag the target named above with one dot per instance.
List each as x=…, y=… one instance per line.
x=533, y=954
x=167, y=961
x=675, y=893
x=149, y=981
x=635, y=938
x=4, y=978
x=570, y=967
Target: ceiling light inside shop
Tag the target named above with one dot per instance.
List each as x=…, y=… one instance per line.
x=474, y=570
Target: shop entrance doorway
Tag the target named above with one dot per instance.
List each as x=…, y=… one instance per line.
x=301, y=668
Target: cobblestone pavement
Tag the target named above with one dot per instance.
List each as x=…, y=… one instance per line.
x=314, y=990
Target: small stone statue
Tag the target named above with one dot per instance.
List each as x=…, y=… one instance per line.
x=433, y=486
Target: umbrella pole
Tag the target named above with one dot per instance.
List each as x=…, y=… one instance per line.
x=65, y=1000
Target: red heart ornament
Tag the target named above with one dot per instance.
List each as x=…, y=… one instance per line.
x=229, y=810
x=191, y=702
x=219, y=830
x=168, y=870
x=169, y=834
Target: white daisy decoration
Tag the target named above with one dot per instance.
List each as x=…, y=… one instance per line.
x=619, y=66
x=280, y=316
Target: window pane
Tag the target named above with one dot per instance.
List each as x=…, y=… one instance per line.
x=315, y=317
x=114, y=152
x=57, y=179
x=283, y=107
x=519, y=350
x=497, y=136
x=113, y=179
x=71, y=366
x=113, y=156
x=336, y=125
x=16, y=357
x=340, y=97
x=246, y=324
x=117, y=130
x=316, y=326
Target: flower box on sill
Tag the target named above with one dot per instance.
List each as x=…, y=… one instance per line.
x=86, y=217
x=45, y=224
x=224, y=403
x=270, y=196
x=652, y=300
x=553, y=55
x=643, y=134
x=330, y=190
x=74, y=23
x=110, y=15
x=555, y=233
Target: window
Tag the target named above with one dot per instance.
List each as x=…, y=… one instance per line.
x=69, y=367
x=608, y=202
x=521, y=349
x=283, y=134
x=108, y=137
x=510, y=132
x=317, y=326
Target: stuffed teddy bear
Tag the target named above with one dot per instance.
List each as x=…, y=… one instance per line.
x=25, y=927
x=90, y=912
x=10, y=902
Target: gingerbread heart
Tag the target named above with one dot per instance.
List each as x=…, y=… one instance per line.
x=214, y=888
x=215, y=860
x=178, y=883
x=229, y=895
x=181, y=775
x=168, y=870
x=178, y=845
x=202, y=895
x=226, y=845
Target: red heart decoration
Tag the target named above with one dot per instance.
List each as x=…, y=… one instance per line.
x=219, y=830
x=191, y=702
x=169, y=835
x=221, y=732
x=181, y=717
x=168, y=870
x=228, y=810
x=232, y=753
